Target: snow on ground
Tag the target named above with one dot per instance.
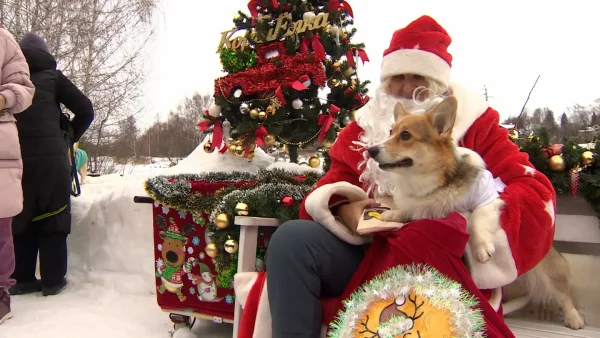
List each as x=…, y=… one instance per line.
x=111, y=291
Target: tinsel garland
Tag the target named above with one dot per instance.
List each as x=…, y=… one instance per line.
x=264, y=200
x=540, y=150
x=423, y=283
x=235, y=61
x=176, y=191
x=261, y=192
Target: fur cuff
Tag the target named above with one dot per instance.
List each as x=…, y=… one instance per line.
x=317, y=206
x=243, y=284
x=499, y=271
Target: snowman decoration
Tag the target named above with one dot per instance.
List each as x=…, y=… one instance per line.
x=207, y=285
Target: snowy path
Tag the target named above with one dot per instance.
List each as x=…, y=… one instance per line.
x=91, y=311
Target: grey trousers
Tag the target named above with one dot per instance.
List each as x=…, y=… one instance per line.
x=305, y=263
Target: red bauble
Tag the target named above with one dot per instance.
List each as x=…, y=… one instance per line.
x=287, y=201
x=556, y=149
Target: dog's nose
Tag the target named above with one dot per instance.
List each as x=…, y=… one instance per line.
x=172, y=257
x=373, y=151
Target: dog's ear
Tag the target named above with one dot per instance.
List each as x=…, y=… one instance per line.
x=443, y=116
x=400, y=111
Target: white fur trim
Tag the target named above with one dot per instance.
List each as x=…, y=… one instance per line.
x=242, y=284
x=501, y=269
x=496, y=298
x=415, y=61
x=470, y=107
x=317, y=206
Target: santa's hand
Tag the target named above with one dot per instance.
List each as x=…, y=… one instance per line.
x=352, y=212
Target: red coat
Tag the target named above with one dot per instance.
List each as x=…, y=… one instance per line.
x=526, y=220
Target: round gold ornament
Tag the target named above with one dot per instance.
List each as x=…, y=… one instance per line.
x=253, y=113
x=241, y=209
x=232, y=147
x=587, y=158
x=250, y=155
x=271, y=110
x=336, y=66
x=327, y=143
x=211, y=250
x=239, y=150
x=222, y=221
x=348, y=72
x=282, y=148
x=231, y=246
x=557, y=163
x=262, y=115
x=333, y=83
x=314, y=161
x=208, y=147
x=270, y=139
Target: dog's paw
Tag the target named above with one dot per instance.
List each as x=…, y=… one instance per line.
x=573, y=320
x=392, y=216
x=483, y=247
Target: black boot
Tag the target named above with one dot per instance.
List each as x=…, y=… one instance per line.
x=54, y=290
x=25, y=288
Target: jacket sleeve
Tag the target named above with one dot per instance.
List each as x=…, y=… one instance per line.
x=527, y=211
x=340, y=184
x=16, y=86
x=78, y=103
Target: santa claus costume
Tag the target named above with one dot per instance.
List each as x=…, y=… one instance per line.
x=526, y=218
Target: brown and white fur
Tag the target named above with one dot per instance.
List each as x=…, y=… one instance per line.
x=431, y=177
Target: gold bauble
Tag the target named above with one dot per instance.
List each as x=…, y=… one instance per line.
x=232, y=148
x=222, y=221
x=348, y=72
x=353, y=115
x=231, y=246
x=336, y=66
x=208, y=147
x=587, y=158
x=250, y=155
x=241, y=209
x=314, y=161
x=327, y=143
x=271, y=110
x=282, y=148
x=333, y=83
x=262, y=115
x=211, y=250
x=270, y=140
x=239, y=150
x=557, y=163
x=253, y=113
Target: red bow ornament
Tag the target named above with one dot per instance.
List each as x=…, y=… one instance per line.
x=253, y=4
x=217, y=133
x=337, y=5
x=362, y=55
x=296, y=85
x=325, y=121
x=315, y=43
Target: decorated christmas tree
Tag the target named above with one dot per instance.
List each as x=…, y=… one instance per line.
x=292, y=80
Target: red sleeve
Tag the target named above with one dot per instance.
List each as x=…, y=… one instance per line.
x=344, y=165
x=529, y=198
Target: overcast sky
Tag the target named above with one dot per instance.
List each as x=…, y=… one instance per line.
x=503, y=45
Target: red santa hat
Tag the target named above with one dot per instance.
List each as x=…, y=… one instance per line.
x=420, y=48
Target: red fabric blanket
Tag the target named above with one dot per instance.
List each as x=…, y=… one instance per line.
x=438, y=243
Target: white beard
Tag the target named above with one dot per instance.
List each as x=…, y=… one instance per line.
x=376, y=119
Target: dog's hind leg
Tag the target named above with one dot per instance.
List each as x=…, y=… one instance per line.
x=558, y=277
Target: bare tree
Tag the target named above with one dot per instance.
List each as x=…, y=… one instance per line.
x=100, y=45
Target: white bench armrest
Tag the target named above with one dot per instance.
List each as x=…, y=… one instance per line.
x=246, y=221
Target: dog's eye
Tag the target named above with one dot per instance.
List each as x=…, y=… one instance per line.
x=405, y=135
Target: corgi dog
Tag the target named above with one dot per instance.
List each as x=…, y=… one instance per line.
x=432, y=177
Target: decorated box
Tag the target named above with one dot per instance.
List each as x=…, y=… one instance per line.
x=195, y=238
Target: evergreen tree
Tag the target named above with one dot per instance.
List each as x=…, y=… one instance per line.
x=274, y=96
